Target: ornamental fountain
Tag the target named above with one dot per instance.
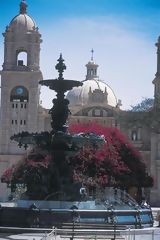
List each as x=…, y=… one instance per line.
x=56, y=199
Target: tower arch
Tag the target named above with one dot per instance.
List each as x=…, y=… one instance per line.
x=22, y=58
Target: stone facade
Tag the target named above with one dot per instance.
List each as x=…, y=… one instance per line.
x=94, y=101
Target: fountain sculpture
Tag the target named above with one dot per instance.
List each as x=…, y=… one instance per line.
x=59, y=199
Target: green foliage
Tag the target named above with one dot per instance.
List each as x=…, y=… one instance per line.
x=144, y=106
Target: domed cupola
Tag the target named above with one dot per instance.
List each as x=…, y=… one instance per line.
x=22, y=22
x=22, y=39
x=91, y=68
x=93, y=91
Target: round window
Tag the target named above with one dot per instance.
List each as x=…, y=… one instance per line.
x=19, y=90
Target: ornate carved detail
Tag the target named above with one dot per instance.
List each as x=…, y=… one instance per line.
x=60, y=67
x=97, y=96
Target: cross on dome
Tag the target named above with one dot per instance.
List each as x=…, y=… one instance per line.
x=92, y=52
x=23, y=7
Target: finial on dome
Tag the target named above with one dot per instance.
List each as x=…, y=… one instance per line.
x=23, y=7
x=92, y=52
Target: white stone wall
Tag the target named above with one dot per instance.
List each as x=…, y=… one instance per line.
x=9, y=80
x=155, y=169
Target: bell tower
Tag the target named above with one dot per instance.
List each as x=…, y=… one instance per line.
x=20, y=78
x=156, y=81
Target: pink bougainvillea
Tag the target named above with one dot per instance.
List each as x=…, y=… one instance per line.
x=117, y=163
x=32, y=162
x=37, y=159
x=7, y=175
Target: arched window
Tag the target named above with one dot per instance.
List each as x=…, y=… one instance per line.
x=21, y=58
x=134, y=136
x=20, y=94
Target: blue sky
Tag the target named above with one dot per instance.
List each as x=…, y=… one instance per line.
x=122, y=33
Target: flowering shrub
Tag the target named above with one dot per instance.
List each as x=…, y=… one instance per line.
x=37, y=159
x=7, y=175
x=21, y=171
x=117, y=163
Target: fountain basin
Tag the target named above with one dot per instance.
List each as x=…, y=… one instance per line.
x=50, y=214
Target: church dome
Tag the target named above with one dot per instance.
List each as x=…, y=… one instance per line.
x=22, y=22
x=92, y=91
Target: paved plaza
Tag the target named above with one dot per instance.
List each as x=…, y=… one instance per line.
x=24, y=236
x=148, y=234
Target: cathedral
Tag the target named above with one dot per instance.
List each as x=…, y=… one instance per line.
x=93, y=101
